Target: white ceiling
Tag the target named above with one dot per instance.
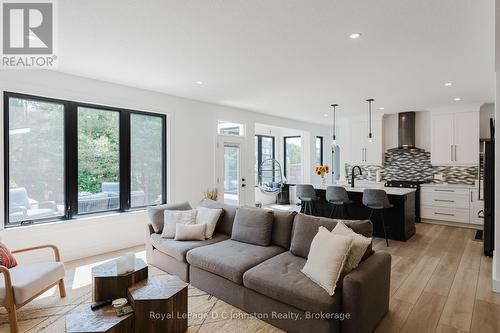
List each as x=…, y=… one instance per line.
x=290, y=58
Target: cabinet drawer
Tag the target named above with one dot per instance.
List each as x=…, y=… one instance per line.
x=445, y=190
x=443, y=199
x=445, y=214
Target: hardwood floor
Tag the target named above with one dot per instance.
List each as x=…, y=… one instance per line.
x=440, y=282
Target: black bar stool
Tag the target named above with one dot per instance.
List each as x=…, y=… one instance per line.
x=337, y=196
x=377, y=200
x=307, y=196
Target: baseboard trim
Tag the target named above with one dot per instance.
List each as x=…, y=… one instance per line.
x=453, y=224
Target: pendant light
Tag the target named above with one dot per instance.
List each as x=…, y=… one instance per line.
x=334, y=131
x=370, y=136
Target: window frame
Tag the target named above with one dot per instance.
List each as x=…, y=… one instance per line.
x=70, y=114
x=321, y=160
x=259, y=152
x=284, y=151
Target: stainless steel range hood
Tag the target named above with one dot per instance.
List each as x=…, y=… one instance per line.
x=406, y=132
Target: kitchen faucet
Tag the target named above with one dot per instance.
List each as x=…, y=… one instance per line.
x=352, y=174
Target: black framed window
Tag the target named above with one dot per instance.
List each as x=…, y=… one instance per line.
x=292, y=159
x=264, y=150
x=319, y=150
x=64, y=159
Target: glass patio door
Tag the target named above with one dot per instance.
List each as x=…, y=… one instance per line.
x=230, y=180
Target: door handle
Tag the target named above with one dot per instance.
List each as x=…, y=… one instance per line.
x=243, y=185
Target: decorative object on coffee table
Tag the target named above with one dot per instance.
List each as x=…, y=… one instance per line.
x=108, y=284
x=160, y=304
x=103, y=320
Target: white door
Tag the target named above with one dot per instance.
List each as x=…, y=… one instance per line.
x=230, y=180
x=359, y=139
x=442, y=139
x=466, y=138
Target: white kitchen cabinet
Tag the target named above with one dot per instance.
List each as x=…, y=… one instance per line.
x=476, y=208
x=364, y=152
x=451, y=205
x=455, y=138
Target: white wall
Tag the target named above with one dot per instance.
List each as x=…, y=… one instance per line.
x=191, y=136
x=496, y=254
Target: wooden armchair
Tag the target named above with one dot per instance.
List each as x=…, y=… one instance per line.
x=23, y=283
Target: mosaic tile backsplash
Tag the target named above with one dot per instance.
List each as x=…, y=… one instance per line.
x=416, y=166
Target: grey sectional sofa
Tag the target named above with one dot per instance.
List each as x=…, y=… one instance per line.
x=267, y=280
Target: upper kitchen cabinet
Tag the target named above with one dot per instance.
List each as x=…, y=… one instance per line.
x=364, y=152
x=455, y=138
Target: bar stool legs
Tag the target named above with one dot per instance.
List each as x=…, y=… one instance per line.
x=383, y=223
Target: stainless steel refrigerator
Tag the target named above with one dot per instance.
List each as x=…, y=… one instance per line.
x=489, y=193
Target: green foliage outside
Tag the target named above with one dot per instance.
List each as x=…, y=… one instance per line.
x=37, y=150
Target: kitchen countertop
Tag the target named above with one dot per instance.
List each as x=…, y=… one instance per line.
x=361, y=186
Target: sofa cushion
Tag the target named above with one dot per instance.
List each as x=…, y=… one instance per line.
x=305, y=227
x=178, y=249
x=282, y=228
x=174, y=217
x=281, y=279
x=327, y=258
x=253, y=225
x=156, y=213
x=30, y=279
x=190, y=232
x=230, y=258
x=226, y=220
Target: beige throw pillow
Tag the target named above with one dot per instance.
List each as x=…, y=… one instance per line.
x=359, y=245
x=210, y=217
x=174, y=217
x=326, y=259
x=190, y=232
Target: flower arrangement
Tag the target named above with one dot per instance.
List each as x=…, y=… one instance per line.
x=211, y=194
x=322, y=170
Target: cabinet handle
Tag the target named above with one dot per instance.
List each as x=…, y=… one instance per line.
x=436, y=213
x=455, y=153
x=451, y=152
x=442, y=190
x=443, y=200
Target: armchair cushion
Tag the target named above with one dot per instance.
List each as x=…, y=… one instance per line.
x=30, y=279
x=6, y=257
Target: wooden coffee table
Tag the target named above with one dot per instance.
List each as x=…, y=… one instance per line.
x=107, y=284
x=160, y=304
x=103, y=320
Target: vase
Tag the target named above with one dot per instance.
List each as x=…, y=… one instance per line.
x=323, y=181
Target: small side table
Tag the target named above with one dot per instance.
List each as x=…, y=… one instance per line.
x=107, y=284
x=160, y=304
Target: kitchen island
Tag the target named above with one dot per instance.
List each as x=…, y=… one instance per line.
x=400, y=220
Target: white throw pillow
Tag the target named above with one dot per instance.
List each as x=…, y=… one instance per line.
x=326, y=259
x=193, y=232
x=210, y=217
x=173, y=217
x=359, y=245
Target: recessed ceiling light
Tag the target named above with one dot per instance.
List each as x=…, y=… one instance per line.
x=457, y=99
x=199, y=82
x=381, y=108
x=448, y=84
x=325, y=115
x=355, y=35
